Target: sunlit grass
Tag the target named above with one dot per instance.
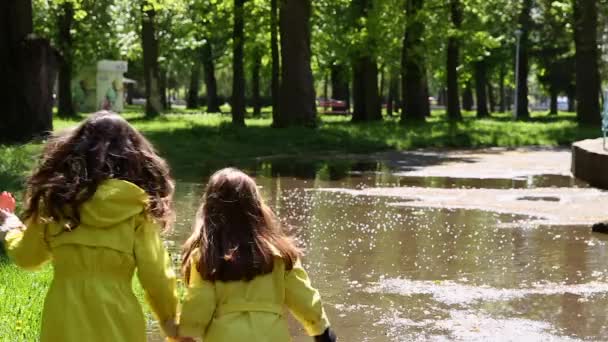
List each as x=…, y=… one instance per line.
x=22, y=301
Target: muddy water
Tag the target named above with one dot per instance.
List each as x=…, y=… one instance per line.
x=390, y=273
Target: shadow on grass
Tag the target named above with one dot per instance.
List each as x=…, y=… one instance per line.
x=195, y=151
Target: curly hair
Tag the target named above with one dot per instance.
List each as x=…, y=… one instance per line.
x=74, y=163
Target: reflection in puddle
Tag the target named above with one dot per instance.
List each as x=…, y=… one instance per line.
x=392, y=273
x=381, y=174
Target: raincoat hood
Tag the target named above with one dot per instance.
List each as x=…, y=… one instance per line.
x=114, y=202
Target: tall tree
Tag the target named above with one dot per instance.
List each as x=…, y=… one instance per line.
x=238, y=72
x=491, y=96
x=297, y=106
x=481, y=82
x=213, y=103
x=27, y=75
x=502, y=102
x=276, y=64
x=525, y=25
x=256, y=65
x=195, y=80
x=367, y=106
x=453, y=52
x=467, y=96
x=587, y=70
x=151, y=68
x=339, y=85
x=164, y=96
x=393, y=86
x=414, y=88
x=65, y=20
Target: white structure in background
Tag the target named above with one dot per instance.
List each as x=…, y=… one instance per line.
x=110, y=90
x=100, y=87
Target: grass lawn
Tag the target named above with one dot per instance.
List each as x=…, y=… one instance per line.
x=196, y=143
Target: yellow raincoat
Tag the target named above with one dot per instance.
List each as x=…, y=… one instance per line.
x=247, y=311
x=91, y=296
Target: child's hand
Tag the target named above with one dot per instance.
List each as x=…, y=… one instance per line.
x=7, y=202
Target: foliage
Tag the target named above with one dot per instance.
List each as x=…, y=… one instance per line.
x=111, y=29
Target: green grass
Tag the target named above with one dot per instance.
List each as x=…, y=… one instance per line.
x=195, y=143
x=22, y=301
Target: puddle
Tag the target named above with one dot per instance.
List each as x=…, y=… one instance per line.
x=455, y=293
x=471, y=326
x=390, y=272
x=364, y=173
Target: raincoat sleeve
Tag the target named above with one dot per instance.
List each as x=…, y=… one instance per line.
x=304, y=301
x=156, y=275
x=26, y=244
x=199, y=305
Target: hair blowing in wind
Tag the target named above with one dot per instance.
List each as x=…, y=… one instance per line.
x=74, y=163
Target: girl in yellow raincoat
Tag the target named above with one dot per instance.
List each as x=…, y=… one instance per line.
x=243, y=271
x=95, y=208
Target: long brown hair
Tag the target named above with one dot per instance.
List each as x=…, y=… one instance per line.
x=74, y=163
x=236, y=233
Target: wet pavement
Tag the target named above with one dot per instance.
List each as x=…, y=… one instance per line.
x=392, y=271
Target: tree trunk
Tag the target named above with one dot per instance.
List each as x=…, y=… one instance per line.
x=392, y=91
x=480, y=89
x=27, y=75
x=238, y=73
x=164, y=100
x=255, y=82
x=381, y=89
x=553, y=106
x=571, y=99
x=587, y=70
x=453, y=52
x=502, y=104
x=415, y=104
x=367, y=106
x=151, y=69
x=129, y=92
x=365, y=90
x=195, y=80
x=525, y=22
x=427, y=94
x=276, y=65
x=467, y=97
x=213, y=103
x=491, y=97
x=325, y=86
x=65, y=19
x=339, y=86
x=441, y=98
x=298, y=103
